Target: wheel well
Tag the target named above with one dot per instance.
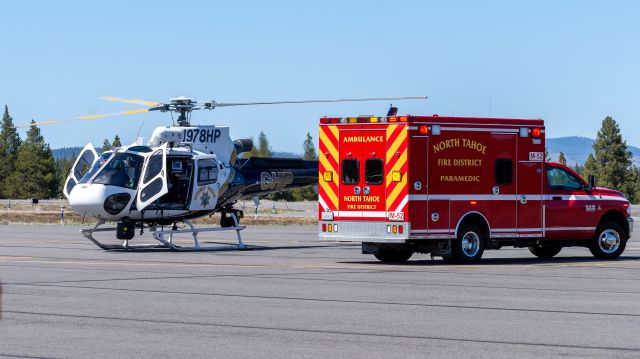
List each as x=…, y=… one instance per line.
x=615, y=216
x=477, y=219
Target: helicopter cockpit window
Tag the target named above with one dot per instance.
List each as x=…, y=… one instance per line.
x=96, y=166
x=207, y=172
x=123, y=170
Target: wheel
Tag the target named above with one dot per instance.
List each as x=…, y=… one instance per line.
x=468, y=245
x=389, y=255
x=545, y=251
x=609, y=241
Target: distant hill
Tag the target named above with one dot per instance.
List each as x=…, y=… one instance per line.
x=66, y=152
x=576, y=149
x=286, y=154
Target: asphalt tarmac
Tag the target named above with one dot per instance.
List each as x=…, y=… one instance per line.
x=292, y=296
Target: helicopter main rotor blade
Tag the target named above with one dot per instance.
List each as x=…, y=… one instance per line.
x=89, y=117
x=216, y=104
x=131, y=100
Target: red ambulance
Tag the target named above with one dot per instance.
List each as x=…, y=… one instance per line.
x=455, y=186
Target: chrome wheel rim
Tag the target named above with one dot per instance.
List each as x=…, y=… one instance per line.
x=609, y=241
x=470, y=244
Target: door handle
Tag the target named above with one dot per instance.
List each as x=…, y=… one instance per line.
x=557, y=198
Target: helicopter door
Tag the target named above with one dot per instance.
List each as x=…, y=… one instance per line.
x=87, y=157
x=205, y=185
x=153, y=183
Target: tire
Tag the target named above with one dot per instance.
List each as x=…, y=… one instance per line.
x=548, y=251
x=388, y=255
x=609, y=241
x=468, y=245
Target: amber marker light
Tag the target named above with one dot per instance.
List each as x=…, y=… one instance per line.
x=327, y=176
x=473, y=203
x=396, y=176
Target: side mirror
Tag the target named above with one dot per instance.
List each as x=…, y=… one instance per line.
x=592, y=182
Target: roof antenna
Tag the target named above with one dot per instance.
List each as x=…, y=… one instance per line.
x=392, y=111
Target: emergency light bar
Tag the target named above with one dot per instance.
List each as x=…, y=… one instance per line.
x=364, y=119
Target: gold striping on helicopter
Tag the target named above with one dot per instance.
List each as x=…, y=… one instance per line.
x=87, y=117
x=131, y=100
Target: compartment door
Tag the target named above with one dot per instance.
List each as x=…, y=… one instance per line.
x=87, y=157
x=374, y=177
x=530, y=198
x=502, y=168
x=153, y=183
x=350, y=177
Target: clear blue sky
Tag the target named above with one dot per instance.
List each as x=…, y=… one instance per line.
x=568, y=62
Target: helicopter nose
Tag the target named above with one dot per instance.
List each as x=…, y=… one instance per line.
x=87, y=199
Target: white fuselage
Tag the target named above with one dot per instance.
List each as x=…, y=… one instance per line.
x=192, y=164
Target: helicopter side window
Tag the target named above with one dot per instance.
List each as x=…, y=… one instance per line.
x=154, y=166
x=96, y=166
x=83, y=164
x=207, y=172
x=123, y=170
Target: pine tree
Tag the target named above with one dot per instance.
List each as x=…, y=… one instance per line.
x=63, y=168
x=590, y=167
x=309, y=149
x=106, y=145
x=547, y=157
x=9, y=145
x=613, y=158
x=116, y=142
x=35, y=171
x=264, y=149
x=562, y=159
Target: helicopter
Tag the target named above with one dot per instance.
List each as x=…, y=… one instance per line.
x=184, y=172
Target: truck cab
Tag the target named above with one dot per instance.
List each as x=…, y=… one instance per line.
x=455, y=186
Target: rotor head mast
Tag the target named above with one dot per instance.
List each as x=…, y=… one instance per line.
x=182, y=105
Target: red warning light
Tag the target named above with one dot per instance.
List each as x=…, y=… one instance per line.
x=424, y=130
x=535, y=132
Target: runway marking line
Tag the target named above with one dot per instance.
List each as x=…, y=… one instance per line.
x=10, y=259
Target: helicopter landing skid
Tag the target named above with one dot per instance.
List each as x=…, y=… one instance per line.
x=166, y=238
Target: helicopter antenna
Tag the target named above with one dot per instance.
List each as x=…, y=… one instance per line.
x=140, y=129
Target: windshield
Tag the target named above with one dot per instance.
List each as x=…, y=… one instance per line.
x=123, y=170
x=96, y=166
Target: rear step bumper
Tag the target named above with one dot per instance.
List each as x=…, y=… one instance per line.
x=364, y=231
